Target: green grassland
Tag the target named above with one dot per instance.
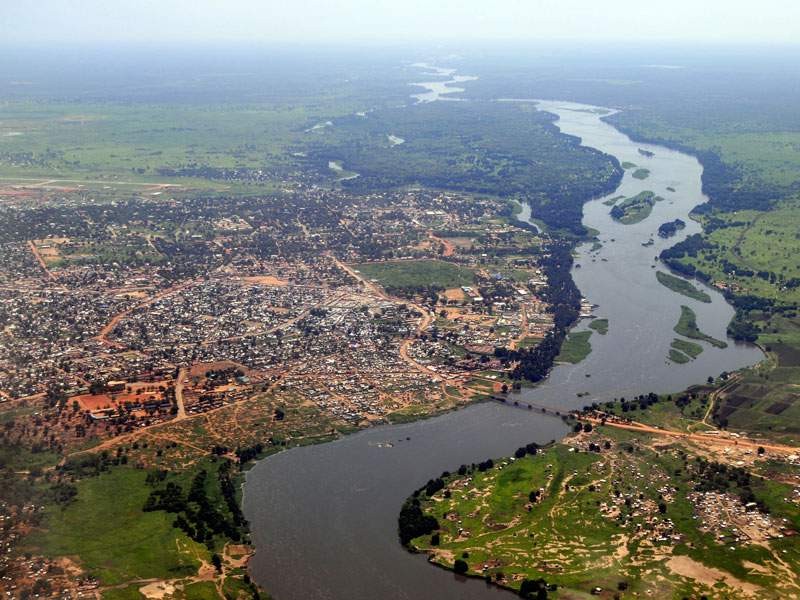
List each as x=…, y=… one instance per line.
x=599, y=325
x=681, y=286
x=687, y=327
x=111, y=142
x=593, y=522
x=683, y=412
x=410, y=274
x=635, y=209
x=747, y=241
x=115, y=541
x=576, y=347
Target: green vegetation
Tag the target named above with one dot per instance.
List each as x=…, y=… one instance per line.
x=683, y=412
x=613, y=201
x=754, y=252
x=686, y=347
x=641, y=173
x=115, y=540
x=678, y=357
x=202, y=590
x=127, y=593
x=576, y=347
x=628, y=165
x=681, y=286
x=417, y=274
x=687, y=327
x=599, y=325
x=635, y=209
x=498, y=148
x=510, y=520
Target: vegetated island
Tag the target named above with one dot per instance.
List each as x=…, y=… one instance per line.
x=641, y=173
x=628, y=165
x=599, y=325
x=687, y=327
x=575, y=348
x=606, y=511
x=613, y=201
x=670, y=228
x=646, y=153
x=635, y=209
x=681, y=286
x=683, y=351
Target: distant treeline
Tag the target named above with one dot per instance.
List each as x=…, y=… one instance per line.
x=489, y=148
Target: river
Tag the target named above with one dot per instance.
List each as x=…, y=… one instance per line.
x=438, y=90
x=324, y=518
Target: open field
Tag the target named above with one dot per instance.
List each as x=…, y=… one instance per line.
x=115, y=541
x=754, y=252
x=435, y=274
x=681, y=286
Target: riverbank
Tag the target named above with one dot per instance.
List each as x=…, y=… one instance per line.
x=611, y=510
x=366, y=475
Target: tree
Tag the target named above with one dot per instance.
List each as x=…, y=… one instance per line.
x=460, y=566
x=217, y=562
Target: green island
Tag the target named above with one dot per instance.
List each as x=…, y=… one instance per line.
x=678, y=357
x=687, y=348
x=599, y=325
x=687, y=327
x=628, y=165
x=607, y=511
x=635, y=209
x=576, y=347
x=681, y=286
x=641, y=173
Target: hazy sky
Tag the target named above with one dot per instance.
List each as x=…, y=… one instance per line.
x=396, y=20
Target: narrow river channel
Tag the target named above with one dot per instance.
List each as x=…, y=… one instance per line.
x=324, y=518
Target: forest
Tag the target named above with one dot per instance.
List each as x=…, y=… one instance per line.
x=504, y=149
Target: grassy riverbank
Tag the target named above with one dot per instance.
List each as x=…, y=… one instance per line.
x=607, y=509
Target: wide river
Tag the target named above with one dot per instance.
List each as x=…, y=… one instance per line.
x=324, y=518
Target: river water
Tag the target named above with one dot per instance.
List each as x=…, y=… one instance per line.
x=439, y=90
x=324, y=518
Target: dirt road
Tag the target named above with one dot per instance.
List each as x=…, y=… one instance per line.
x=713, y=439
x=40, y=260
